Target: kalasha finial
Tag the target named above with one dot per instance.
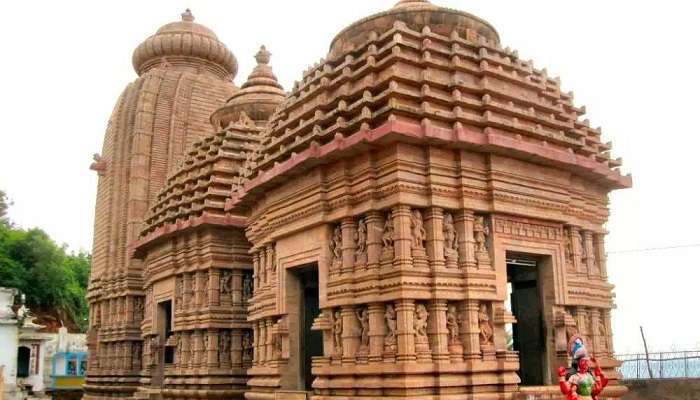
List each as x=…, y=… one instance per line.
x=187, y=16
x=263, y=56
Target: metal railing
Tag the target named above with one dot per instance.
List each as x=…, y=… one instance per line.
x=664, y=365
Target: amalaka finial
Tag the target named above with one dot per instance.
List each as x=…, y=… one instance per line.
x=406, y=3
x=263, y=56
x=187, y=16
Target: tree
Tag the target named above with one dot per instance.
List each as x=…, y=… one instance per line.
x=49, y=276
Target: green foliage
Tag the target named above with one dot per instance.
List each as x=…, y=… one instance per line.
x=49, y=276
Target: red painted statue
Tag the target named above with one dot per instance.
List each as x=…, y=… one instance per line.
x=584, y=380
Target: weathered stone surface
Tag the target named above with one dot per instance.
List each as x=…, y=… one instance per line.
x=406, y=169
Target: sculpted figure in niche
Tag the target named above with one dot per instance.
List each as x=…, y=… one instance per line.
x=224, y=347
x=273, y=260
x=485, y=328
x=178, y=291
x=481, y=232
x=579, y=244
x=205, y=287
x=337, y=244
x=417, y=229
x=568, y=247
x=363, y=317
x=388, y=234
x=453, y=324
x=390, y=317
x=136, y=360
x=225, y=282
x=247, y=286
x=361, y=238
x=450, y=234
x=138, y=309
x=247, y=345
x=338, y=332
x=420, y=323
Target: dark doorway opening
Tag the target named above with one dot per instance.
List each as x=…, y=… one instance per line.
x=165, y=331
x=529, y=333
x=23, y=357
x=310, y=342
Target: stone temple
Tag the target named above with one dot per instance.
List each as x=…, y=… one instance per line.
x=420, y=217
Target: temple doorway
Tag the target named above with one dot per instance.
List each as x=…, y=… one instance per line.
x=310, y=342
x=529, y=334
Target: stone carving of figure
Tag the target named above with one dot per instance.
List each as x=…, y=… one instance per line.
x=247, y=286
x=388, y=234
x=178, y=291
x=452, y=324
x=579, y=244
x=205, y=288
x=273, y=260
x=450, y=234
x=190, y=290
x=178, y=349
x=390, y=317
x=337, y=244
x=136, y=357
x=417, y=229
x=247, y=345
x=224, y=347
x=363, y=317
x=225, y=282
x=99, y=165
x=603, y=334
x=420, y=323
x=245, y=120
x=568, y=247
x=138, y=308
x=485, y=328
x=481, y=232
x=361, y=238
x=338, y=332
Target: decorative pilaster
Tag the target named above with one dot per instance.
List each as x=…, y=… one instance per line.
x=261, y=268
x=212, y=348
x=186, y=350
x=435, y=241
x=469, y=330
x=269, y=341
x=601, y=257
x=256, y=272
x=256, y=344
x=270, y=263
x=591, y=266
x=464, y=225
x=350, y=335
x=347, y=227
x=214, y=290
x=375, y=226
x=236, y=348
x=377, y=331
x=406, y=347
x=402, y=236
x=437, y=329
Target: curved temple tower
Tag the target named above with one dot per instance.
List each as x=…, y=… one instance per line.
x=421, y=217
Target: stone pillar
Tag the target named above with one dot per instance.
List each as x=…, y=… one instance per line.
x=435, y=241
x=270, y=341
x=591, y=267
x=406, y=348
x=261, y=268
x=601, y=257
x=236, y=286
x=261, y=343
x=214, y=290
x=196, y=347
x=129, y=310
x=270, y=262
x=186, y=294
x=212, y=348
x=595, y=345
x=464, y=225
x=256, y=272
x=469, y=330
x=377, y=331
x=437, y=329
x=236, y=348
x=350, y=335
x=579, y=249
x=375, y=227
x=256, y=343
x=347, y=227
x=402, y=236
x=185, y=357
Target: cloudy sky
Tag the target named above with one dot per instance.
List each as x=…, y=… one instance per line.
x=633, y=64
